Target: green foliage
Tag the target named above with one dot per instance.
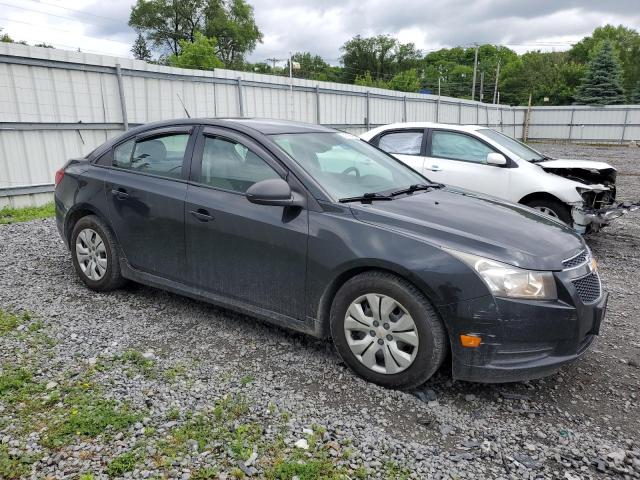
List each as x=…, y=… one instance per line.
x=15, y=215
x=602, y=85
x=17, y=384
x=122, y=464
x=10, y=321
x=634, y=95
x=626, y=45
x=12, y=466
x=382, y=57
x=200, y=54
x=141, y=364
x=140, y=50
x=232, y=24
x=166, y=24
x=312, y=67
x=5, y=38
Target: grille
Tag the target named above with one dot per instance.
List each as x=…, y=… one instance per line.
x=577, y=260
x=588, y=288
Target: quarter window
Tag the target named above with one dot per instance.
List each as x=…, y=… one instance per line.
x=232, y=166
x=405, y=143
x=159, y=155
x=457, y=146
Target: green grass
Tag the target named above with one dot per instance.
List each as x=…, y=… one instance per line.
x=123, y=463
x=139, y=363
x=16, y=215
x=17, y=385
x=10, y=321
x=14, y=467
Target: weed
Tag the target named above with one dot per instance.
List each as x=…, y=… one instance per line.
x=205, y=473
x=139, y=362
x=12, y=466
x=15, y=215
x=122, y=464
x=10, y=321
x=246, y=380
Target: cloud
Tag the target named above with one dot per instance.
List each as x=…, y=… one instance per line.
x=323, y=26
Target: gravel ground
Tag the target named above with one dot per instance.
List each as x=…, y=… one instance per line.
x=193, y=391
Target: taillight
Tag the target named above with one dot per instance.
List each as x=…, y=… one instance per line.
x=59, y=175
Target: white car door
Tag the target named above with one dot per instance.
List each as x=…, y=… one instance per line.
x=459, y=159
x=406, y=145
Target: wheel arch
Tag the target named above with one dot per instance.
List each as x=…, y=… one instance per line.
x=323, y=312
x=540, y=196
x=76, y=214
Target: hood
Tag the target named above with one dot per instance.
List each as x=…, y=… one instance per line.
x=583, y=171
x=472, y=223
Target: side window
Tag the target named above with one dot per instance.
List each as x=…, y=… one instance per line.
x=232, y=166
x=406, y=143
x=160, y=155
x=457, y=146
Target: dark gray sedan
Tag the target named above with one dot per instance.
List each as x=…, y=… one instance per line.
x=316, y=230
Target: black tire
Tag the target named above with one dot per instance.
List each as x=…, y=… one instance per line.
x=112, y=278
x=432, y=348
x=560, y=209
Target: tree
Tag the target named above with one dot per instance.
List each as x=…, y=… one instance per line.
x=634, y=96
x=551, y=75
x=140, y=50
x=382, y=56
x=165, y=23
x=406, y=81
x=43, y=45
x=601, y=85
x=626, y=44
x=5, y=38
x=199, y=54
x=312, y=67
x=233, y=25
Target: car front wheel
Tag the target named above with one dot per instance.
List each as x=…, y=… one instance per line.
x=552, y=208
x=386, y=330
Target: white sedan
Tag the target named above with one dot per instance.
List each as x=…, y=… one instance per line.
x=580, y=193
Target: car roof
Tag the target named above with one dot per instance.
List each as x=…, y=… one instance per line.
x=409, y=125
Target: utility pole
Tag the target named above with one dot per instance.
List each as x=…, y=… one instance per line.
x=273, y=62
x=481, y=96
x=475, y=69
x=495, y=88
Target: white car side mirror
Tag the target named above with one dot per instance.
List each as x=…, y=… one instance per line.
x=496, y=159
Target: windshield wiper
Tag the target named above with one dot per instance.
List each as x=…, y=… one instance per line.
x=366, y=198
x=416, y=187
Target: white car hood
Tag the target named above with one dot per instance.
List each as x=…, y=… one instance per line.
x=584, y=164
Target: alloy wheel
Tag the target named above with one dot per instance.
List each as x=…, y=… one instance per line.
x=91, y=254
x=381, y=333
x=547, y=211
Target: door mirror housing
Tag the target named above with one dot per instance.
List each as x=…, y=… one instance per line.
x=274, y=191
x=496, y=159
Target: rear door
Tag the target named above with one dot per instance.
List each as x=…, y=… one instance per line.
x=460, y=159
x=146, y=189
x=256, y=254
x=405, y=145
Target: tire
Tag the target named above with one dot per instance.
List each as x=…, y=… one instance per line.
x=104, y=274
x=553, y=208
x=427, y=355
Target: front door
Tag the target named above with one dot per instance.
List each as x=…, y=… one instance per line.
x=145, y=193
x=460, y=160
x=252, y=253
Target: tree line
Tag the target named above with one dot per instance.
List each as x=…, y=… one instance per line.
x=601, y=69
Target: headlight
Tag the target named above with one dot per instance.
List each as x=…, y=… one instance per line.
x=508, y=281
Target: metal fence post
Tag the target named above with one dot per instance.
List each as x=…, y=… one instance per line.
x=501, y=122
x=459, y=113
x=318, y=104
x=477, y=114
x=573, y=111
x=624, y=125
x=240, y=100
x=438, y=110
x=123, y=103
x=367, y=119
x=404, y=108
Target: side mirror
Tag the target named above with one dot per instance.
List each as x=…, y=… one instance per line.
x=496, y=159
x=273, y=192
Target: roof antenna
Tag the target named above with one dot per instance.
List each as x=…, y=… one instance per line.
x=185, y=108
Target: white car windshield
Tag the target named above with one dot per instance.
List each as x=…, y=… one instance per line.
x=523, y=151
x=346, y=166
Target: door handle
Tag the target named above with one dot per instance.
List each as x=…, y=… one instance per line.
x=435, y=168
x=120, y=193
x=201, y=214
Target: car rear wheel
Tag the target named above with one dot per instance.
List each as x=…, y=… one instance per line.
x=386, y=330
x=552, y=208
x=95, y=254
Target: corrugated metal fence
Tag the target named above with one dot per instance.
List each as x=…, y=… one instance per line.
x=56, y=105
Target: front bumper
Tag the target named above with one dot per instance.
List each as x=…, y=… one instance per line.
x=595, y=218
x=523, y=339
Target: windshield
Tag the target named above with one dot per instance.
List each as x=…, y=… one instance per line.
x=519, y=148
x=345, y=166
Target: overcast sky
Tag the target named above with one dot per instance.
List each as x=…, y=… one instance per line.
x=322, y=26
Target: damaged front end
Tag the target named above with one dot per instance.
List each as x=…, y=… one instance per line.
x=598, y=206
